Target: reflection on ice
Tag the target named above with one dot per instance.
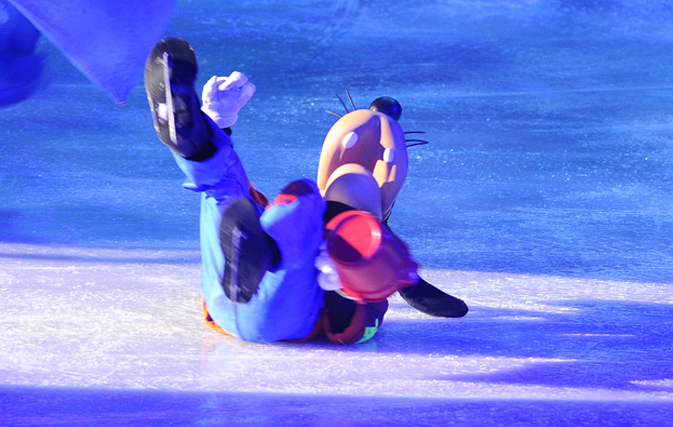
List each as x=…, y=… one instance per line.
x=131, y=319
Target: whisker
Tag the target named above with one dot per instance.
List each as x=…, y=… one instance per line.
x=417, y=142
x=414, y=131
x=351, y=100
x=342, y=103
x=332, y=112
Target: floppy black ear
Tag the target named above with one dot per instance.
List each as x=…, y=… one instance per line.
x=388, y=106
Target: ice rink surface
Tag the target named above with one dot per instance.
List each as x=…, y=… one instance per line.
x=544, y=199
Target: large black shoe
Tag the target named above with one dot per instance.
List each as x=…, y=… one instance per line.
x=429, y=300
x=170, y=74
x=248, y=251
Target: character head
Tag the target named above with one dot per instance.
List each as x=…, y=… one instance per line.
x=364, y=160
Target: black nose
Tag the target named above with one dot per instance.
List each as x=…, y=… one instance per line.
x=388, y=106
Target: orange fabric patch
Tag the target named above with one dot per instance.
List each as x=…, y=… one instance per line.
x=210, y=322
x=284, y=199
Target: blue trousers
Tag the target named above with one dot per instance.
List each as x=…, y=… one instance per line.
x=288, y=302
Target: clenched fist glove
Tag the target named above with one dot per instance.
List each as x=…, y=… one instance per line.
x=223, y=97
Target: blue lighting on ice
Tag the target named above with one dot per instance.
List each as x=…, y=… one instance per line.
x=544, y=199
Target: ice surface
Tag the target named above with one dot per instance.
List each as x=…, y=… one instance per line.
x=544, y=199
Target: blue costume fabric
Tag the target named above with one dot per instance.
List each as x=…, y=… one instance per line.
x=289, y=305
x=288, y=302
x=107, y=40
x=20, y=68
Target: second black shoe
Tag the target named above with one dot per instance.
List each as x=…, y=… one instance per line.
x=248, y=251
x=429, y=300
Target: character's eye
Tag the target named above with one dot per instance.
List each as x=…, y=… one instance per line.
x=349, y=140
x=388, y=106
x=389, y=155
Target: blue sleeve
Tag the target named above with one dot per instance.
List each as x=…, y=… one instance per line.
x=220, y=177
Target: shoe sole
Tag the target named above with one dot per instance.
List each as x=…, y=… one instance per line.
x=170, y=73
x=246, y=250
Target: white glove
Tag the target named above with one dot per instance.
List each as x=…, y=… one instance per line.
x=223, y=97
x=328, y=278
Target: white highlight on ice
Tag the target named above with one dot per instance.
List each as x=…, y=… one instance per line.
x=655, y=383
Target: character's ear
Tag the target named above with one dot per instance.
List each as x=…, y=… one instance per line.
x=388, y=106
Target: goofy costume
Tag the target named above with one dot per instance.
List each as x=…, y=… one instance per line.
x=317, y=261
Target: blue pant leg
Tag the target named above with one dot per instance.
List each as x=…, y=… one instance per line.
x=220, y=180
x=288, y=302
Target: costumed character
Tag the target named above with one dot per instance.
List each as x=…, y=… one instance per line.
x=21, y=69
x=299, y=267
x=363, y=165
